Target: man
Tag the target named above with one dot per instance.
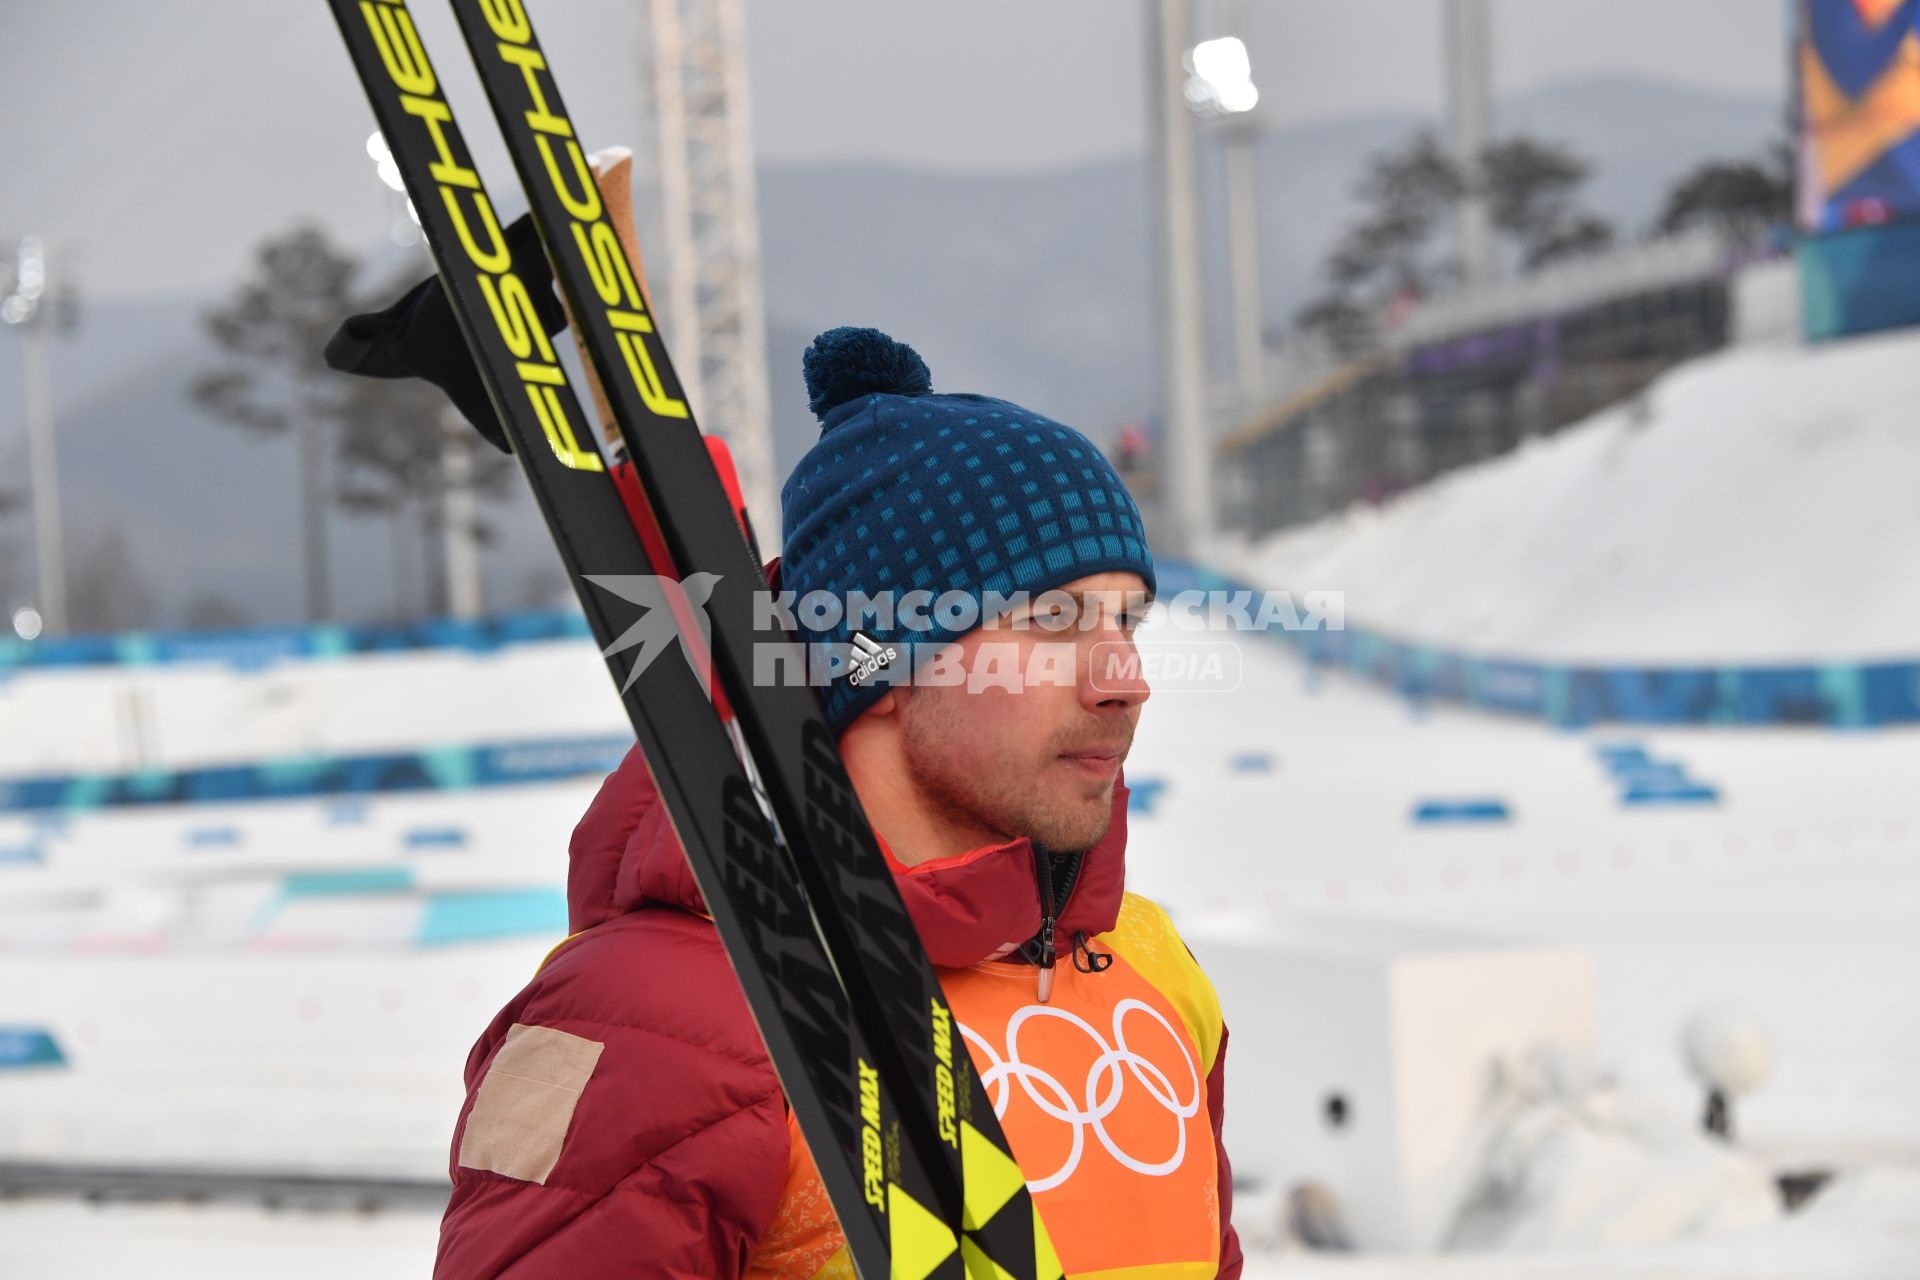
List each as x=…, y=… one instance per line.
x=622, y=1117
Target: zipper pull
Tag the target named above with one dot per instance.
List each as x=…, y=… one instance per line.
x=1046, y=959
x=1093, y=961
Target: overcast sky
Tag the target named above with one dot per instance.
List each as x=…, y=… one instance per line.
x=155, y=144
x=161, y=140
x=1026, y=83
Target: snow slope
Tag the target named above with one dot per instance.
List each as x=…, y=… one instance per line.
x=1867, y=1228
x=192, y=1042
x=1794, y=897
x=1756, y=506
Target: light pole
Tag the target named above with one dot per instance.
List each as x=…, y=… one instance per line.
x=1469, y=126
x=1187, y=450
x=460, y=548
x=25, y=309
x=1221, y=89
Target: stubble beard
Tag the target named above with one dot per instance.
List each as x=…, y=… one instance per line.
x=1009, y=801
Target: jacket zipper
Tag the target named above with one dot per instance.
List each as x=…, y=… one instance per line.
x=1050, y=913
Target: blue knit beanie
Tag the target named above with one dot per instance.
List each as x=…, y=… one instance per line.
x=910, y=491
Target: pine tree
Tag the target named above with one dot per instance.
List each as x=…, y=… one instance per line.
x=274, y=327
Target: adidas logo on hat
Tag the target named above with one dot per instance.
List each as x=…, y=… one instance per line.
x=869, y=658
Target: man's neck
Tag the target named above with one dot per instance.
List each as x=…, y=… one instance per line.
x=914, y=833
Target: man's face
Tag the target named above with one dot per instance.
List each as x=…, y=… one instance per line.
x=1040, y=760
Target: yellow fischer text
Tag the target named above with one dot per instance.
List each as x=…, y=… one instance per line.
x=477, y=230
x=571, y=179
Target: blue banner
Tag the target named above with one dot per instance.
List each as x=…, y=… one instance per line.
x=22, y=1047
x=1849, y=695
x=485, y=765
x=255, y=648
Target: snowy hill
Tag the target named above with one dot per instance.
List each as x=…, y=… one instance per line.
x=1792, y=898
x=1755, y=506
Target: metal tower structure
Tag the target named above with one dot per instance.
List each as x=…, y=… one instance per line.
x=712, y=306
x=1470, y=129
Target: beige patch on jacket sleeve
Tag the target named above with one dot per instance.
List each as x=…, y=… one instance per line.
x=525, y=1102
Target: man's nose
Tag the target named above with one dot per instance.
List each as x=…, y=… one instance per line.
x=1116, y=674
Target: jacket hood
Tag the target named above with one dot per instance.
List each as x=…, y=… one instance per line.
x=970, y=907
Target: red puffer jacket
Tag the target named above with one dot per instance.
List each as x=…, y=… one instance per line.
x=622, y=1117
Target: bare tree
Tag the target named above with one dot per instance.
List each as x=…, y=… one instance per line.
x=213, y=611
x=1743, y=197
x=1533, y=187
x=1389, y=253
x=1395, y=252
x=107, y=589
x=275, y=384
x=376, y=447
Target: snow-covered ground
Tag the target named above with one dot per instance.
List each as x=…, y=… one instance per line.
x=251, y=986
x=179, y=716
x=1868, y=1229
x=1794, y=897
x=1756, y=506
x=1290, y=799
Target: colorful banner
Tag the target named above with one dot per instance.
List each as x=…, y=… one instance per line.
x=1839, y=694
x=445, y=768
x=1858, y=85
x=260, y=647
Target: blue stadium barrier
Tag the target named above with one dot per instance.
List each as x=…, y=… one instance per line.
x=1475, y=810
x=487, y=765
x=1653, y=776
x=22, y=855
x=347, y=882
x=23, y=1047
x=253, y=649
x=445, y=915
x=1645, y=781
x=1144, y=794
x=1684, y=794
x=1838, y=695
x=1617, y=756
x=349, y=812
x=482, y=915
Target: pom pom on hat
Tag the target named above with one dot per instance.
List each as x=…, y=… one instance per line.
x=846, y=363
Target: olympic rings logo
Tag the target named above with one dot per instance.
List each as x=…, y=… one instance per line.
x=1104, y=1085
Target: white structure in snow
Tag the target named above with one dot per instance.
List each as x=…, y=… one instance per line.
x=1362, y=1054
